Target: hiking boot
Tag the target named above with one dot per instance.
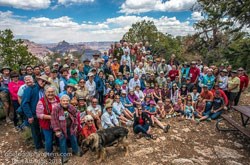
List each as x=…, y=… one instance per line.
x=64, y=159
x=79, y=153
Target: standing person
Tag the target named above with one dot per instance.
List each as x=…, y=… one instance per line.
x=244, y=80
x=194, y=73
x=30, y=99
x=64, y=123
x=43, y=111
x=63, y=79
x=209, y=79
x=86, y=67
x=28, y=82
x=14, y=85
x=173, y=73
x=233, y=87
x=223, y=80
x=53, y=79
x=4, y=95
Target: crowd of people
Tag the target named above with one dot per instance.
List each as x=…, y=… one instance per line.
x=127, y=85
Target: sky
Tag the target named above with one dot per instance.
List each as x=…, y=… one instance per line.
x=51, y=21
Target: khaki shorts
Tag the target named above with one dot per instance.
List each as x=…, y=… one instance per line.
x=4, y=96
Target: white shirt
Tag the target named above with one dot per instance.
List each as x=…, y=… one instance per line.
x=91, y=87
x=133, y=83
x=95, y=110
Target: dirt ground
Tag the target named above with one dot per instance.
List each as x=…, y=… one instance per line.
x=186, y=143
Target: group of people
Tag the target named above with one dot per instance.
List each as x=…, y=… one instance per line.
x=127, y=85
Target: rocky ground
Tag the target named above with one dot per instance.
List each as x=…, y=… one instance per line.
x=185, y=144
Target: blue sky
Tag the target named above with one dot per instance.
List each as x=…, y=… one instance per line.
x=50, y=21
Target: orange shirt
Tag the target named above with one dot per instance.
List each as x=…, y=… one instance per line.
x=115, y=68
x=207, y=95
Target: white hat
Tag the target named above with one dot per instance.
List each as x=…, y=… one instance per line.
x=90, y=74
x=88, y=117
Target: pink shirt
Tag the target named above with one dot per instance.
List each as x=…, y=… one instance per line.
x=13, y=88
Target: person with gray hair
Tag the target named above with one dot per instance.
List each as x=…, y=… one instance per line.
x=43, y=112
x=64, y=123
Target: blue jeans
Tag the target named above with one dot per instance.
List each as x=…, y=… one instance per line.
x=208, y=106
x=36, y=134
x=48, y=136
x=215, y=115
x=63, y=143
x=131, y=109
x=141, y=128
x=15, y=106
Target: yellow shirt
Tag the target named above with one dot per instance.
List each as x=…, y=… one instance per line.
x=232, y=82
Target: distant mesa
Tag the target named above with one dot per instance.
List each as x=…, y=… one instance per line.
x=89, y=48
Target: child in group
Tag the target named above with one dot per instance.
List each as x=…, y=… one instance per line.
x=168, y=108
x=188, y=98
x=179, y=107
x=199, y=107
x=189, y=110
x=161, y=114
x=151, y=110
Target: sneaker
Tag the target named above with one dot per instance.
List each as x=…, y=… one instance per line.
x=8, y=121
x=209, y=119
x=166, y=128
x=79, y=153
x=18, y=129
x=197, y=121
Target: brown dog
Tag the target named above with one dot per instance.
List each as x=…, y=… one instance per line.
x=107, y=137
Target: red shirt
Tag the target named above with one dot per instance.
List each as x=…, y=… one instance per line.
x=172, y=74
x=86, y=130
x=244, y=80
x=141, y=121
x=194, y=73
x=207, y=95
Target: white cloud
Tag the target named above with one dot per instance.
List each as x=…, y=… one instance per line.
x=196, y=16
x=69, y=2
x=26, y=4
x=142, y=6
x=46, y=30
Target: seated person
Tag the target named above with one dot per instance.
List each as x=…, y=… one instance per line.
x=168, y=108
x=95, y=111
x=109, y=118
x=189, y=110
x=199, y=107
x=160, y=110
x=194, y=94
x=126, y=102
x=142, y=124
x=89, y=126
x=217, y=108
x=123, y=114
x=133, y=98
x=151, y=111
x=178, y=107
